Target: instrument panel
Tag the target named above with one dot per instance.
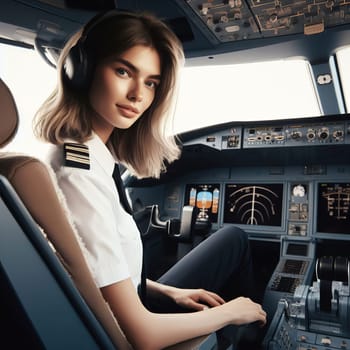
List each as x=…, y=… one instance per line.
x=279, y=178
x=298, y=209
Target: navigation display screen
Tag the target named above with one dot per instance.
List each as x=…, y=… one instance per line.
x=206, y=198
x=333, y=203
x=253, y=204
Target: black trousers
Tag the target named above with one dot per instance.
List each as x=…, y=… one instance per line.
x=221, y=264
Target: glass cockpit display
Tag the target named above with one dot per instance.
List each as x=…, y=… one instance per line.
x=253, y=204
x=333, y=208
x=205, y=197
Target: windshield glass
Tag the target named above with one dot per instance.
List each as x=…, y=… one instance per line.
x=343, y=59
x=256, y=91
x=208, y=94
x=30, y=80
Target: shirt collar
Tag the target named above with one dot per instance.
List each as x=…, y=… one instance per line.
x=101, y=154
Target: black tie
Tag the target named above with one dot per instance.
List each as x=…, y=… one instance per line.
x=121, y=190
x=125, y=203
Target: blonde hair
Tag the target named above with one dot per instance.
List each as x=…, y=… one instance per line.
x=144, y=148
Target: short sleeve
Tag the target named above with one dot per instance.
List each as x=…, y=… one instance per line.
x=101, y=225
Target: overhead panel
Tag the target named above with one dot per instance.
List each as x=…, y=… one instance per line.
x=233, y=20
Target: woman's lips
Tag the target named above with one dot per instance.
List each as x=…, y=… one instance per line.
x=128, y=111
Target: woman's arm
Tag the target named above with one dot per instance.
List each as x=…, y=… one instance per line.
x=195, y=299
x=146, y=330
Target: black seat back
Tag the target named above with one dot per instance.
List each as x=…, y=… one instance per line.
x=42, y=302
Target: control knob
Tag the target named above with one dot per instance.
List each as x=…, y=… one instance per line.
x=296, y=135
x=323, y=134
x=338, y=135
x=311, y=134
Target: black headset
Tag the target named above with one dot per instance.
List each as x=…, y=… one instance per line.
x=78, y=65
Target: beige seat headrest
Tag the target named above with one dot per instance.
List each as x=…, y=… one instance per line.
x=8, y=115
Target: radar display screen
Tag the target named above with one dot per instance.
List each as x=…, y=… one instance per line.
x=259, y=204
x=333, y=208
x=206, y=198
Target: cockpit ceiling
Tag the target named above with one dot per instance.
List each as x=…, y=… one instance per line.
x=234, y=20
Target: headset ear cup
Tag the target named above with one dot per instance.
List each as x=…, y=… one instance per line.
x=76, y=67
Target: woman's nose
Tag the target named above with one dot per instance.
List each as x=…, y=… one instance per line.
x=135, y=93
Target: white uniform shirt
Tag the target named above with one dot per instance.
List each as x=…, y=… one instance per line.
x=108, y=232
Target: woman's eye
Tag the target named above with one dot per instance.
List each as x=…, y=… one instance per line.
x=122, y=71
x=152, y=84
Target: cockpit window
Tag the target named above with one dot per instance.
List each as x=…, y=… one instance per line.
x=208, y=95
x=254, y=91
x=30, y=80
x=343, y=59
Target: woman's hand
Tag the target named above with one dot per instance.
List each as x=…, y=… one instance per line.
x=243, y=311
x=238, y=311
x=195, y=299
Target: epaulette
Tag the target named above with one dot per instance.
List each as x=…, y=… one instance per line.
x=76, y=155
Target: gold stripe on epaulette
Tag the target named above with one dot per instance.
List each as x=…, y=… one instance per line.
x=82, y=156
x=79, y=148
x=74, y=158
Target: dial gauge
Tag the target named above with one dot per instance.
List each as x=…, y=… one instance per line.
x=299, y=191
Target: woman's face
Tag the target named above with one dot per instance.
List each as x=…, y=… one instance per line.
x=122, y=88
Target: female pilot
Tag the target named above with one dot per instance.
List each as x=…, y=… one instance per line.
x=116, y=85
